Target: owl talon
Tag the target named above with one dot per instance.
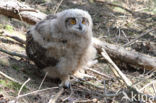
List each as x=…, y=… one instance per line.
x=65, y=84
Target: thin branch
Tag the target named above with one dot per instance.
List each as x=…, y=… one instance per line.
x=22, y=88
x=43, y=80
x=55, y=98
x=148, y=85
x=141, y=35
x=37, y=91
x=97, y=93
x=58, y=7
x=116, y=69
x=154, y=88
x=111, y=4
x=97, y=72
x=13, y=53
x=88, y=83
x=15, y=38
x=125, y=35
x=10, y=78
x=28, y=9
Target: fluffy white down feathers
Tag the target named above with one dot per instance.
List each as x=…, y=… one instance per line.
x=67, y=37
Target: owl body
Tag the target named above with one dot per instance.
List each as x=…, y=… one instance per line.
x=66, y=40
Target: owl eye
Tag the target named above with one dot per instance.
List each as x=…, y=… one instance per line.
x=72, y=21
x=83, y=21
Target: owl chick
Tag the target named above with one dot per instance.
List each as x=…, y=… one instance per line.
x=61, y=44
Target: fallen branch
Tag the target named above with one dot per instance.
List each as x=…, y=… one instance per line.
x=15, y=38
x=118, y=53
x=13, y=53
x=13, y=8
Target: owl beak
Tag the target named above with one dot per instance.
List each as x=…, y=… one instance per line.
x=80, y=26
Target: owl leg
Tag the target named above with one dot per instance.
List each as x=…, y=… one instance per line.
x=54, y=73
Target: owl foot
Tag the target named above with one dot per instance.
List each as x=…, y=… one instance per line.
x=65, y=83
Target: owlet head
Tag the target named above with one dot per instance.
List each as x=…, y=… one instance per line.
x=76, y=21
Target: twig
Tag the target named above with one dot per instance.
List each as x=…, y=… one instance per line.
x=58, y=6
x=55, y=98
x=26, y=9
x=13, y=53
x=116, y=69
x=69, y=95
x=100, y=94
x=88, y=83
x=141, y=35
x=15, y=38
x=154, y=88
x=43, y=80
x=85, y=101
x=146, y=76
x=37, y=91
x=97, y=72
x=125, y=35
x=22, y=88
x=10, y=78
x=111, y=4
x=147, y=85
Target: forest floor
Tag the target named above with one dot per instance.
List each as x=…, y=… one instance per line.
x=112, y=24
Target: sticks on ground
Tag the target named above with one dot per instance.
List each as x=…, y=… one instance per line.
x=16, y=38
x=13, y=53
x=14, y=9
x=19, y=92
x=37, y=91
x=116, y=70
x=54, y=99
x=131, y=58
x=141, y=35
x=10, y=78
x=97, y=72
x=58, y=6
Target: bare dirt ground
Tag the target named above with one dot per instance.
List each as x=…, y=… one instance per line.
x=111, y=24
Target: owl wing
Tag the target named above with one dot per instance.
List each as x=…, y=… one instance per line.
x=36, y=52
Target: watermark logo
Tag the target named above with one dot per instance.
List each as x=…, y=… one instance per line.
x=137, y=97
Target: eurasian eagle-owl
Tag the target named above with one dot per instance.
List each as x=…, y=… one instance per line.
x=61, y=44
